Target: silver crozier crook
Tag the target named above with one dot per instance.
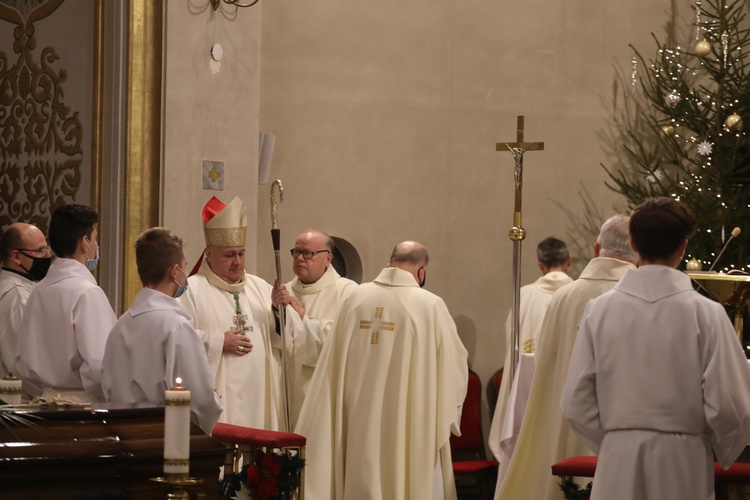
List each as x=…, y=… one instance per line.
x=276, y=237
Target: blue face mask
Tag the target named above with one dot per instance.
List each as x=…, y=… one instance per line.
x=92, y=263
x=181, y=288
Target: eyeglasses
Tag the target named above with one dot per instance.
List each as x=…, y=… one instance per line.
x=306, y=254
x=40, y=251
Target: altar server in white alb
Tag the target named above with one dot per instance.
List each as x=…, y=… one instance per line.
x=232, y=312
x=26, y=259
x=153, y=343
x=545, y=437
x=388, y=390
x=553, y=259
x=313, y=299
x=67, y=318
x=658, y=382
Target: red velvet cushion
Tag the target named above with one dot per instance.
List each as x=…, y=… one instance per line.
x=575, y=466
x=737, y=473
x=256, y=437
x=470, y=466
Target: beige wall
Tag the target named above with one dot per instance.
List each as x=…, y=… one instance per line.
x=210, y=113
x=387, y=114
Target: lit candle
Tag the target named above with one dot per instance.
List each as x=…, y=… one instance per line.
x=177, y=430
x=10, y=390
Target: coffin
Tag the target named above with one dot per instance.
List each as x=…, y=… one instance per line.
x=109, y=451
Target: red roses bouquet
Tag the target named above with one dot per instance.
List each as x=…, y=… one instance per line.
x=270, y=476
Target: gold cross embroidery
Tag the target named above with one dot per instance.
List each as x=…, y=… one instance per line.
x=376, y=325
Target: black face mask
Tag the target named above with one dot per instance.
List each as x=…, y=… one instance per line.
x=424, y=278
x=39, y=267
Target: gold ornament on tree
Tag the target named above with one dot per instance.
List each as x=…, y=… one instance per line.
x=667, y=130
x=733, y=122
x=694, y=265
x=702, y=48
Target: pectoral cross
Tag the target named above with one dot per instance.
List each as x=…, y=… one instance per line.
x=376, y=325
x=239, y=320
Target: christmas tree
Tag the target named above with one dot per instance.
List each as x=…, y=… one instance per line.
x=679, y=130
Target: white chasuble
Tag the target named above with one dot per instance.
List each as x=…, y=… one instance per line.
x=534, y=300
x=387, y=389
x=658, y=383
x=321, y=301
x=250, y=384
x=545, y=438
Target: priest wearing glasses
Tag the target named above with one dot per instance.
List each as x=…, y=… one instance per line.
x=313, y=300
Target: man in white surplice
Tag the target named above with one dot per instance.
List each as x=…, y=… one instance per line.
x=317, y=292
x=232, y=312
x=388, y=389
x=658, y=382
x=545, y=438
x=67, y=318
x=26, y=258
x=153, y=342
x=553, y=259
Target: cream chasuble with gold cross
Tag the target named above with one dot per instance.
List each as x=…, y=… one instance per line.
x=535, y=298
x=250, y=385
x=387, y=389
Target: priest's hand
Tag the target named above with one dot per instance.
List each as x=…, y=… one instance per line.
x=280, y=295
x=297, y=306
x=236, y=343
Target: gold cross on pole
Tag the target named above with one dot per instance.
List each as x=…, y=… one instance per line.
x=518, y=149
x=517, y=233
x=376, y=325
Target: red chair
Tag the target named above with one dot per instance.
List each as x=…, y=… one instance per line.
x=473, y=472
x=493, y=390
x=241, y=443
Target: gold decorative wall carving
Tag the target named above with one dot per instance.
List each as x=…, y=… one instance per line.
x=41, y=151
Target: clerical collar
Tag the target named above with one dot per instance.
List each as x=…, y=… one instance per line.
x=25, y=275
x=215, y=280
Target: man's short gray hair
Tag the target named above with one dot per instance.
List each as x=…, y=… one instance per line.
x=614, y=239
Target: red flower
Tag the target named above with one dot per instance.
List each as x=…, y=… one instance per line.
x=272, y=464
x=262, y=475
x=268, y=488
x=254, y=475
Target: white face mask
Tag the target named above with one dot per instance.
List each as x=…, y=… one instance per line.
x=92, y=263
x=181, y=288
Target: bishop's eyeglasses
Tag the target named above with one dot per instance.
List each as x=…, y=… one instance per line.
x=306, y=254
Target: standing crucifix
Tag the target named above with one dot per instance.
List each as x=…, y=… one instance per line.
x=517, y=233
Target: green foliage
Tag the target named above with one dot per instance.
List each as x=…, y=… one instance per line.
x=676, y=102
x=571, y=491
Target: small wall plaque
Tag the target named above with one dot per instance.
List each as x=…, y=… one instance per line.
x=213, y=175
